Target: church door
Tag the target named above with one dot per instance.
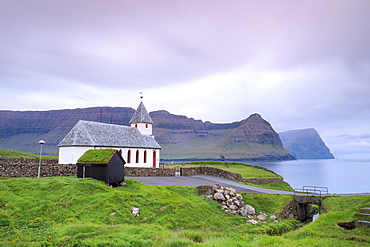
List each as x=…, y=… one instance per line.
x=154, y=159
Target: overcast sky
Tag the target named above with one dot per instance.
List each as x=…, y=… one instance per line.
x=298, y=63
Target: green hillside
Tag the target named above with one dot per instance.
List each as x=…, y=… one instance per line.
x=66, y=211
x=7, y=153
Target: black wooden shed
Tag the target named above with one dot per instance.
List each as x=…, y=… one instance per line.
x=102, y=164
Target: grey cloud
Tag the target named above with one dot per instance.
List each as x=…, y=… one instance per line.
x=136, y=45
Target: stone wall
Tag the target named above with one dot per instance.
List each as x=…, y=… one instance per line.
x=300, y=208
x=149, y=172
x=20, y=167
x=206, y=170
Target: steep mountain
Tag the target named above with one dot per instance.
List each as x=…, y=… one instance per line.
x=21, y=130
x=186, y=139
x=180, y=137
x=305, y=144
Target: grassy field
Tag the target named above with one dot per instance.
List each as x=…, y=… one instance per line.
x=66, y=211
x=8, y=153
x=245, y=170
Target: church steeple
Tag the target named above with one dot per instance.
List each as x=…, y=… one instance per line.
x=142, y=120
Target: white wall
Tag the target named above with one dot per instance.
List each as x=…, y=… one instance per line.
x=149, y=157
x=142, y=127
x=70, y=155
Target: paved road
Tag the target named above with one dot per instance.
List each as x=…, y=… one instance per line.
x=194, y=181
x=198, y=180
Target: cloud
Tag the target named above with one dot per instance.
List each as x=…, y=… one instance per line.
x=299, y=64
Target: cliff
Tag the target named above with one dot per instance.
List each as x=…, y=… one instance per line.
x=21, y=130
x=184, y=138
x=305, y=144
x=180, y=137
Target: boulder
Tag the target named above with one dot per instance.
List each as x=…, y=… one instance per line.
x=135, y=211
x=261, y=216
x=219, y=196
x=239, y=197
x=243, y=212
x=250, y=210
x=253, y=222
x=233, y=203
x=209, y=197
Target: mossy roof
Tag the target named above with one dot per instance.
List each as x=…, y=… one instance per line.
x=97, y=156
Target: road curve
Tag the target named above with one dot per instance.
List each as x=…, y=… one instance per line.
x=198, y=180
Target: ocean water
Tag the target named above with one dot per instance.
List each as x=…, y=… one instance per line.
x=339, y=176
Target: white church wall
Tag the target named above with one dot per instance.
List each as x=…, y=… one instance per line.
x=70, y=155
x=144, y=128
x=137, y=157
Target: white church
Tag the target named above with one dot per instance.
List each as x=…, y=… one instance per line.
x=136, y=144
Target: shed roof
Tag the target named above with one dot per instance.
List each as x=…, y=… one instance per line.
x=87, y=133
x=141, y=115
x=97, y=156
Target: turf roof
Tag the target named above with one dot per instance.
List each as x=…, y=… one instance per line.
x=96, y=156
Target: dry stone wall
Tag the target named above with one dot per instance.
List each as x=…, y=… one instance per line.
x=149, y=172
x=20, y=167
x=206, y=170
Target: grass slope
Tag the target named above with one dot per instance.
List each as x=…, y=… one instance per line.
x=66, y=211
x=8, y=153
x=245, y=170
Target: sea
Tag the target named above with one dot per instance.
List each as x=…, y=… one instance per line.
x=340, y=176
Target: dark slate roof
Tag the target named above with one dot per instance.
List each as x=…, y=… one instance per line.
x=86, y=133
x=141, y=115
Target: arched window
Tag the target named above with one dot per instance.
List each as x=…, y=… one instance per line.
x=137, y=156
x=145, y=156
x=146, y=125
x=135, y=125
x=129, y=156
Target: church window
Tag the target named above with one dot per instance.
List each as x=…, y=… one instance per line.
x=145, y=156
x=146, y=125
x=129, y=156
x=137, y=156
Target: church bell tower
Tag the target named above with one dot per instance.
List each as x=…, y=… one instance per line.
x=142, y=120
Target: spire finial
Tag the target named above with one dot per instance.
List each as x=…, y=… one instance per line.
x=141, y=96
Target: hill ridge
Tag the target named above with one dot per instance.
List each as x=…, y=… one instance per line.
x=181, y=137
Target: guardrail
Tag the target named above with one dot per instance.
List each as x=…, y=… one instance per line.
x=312, y=190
